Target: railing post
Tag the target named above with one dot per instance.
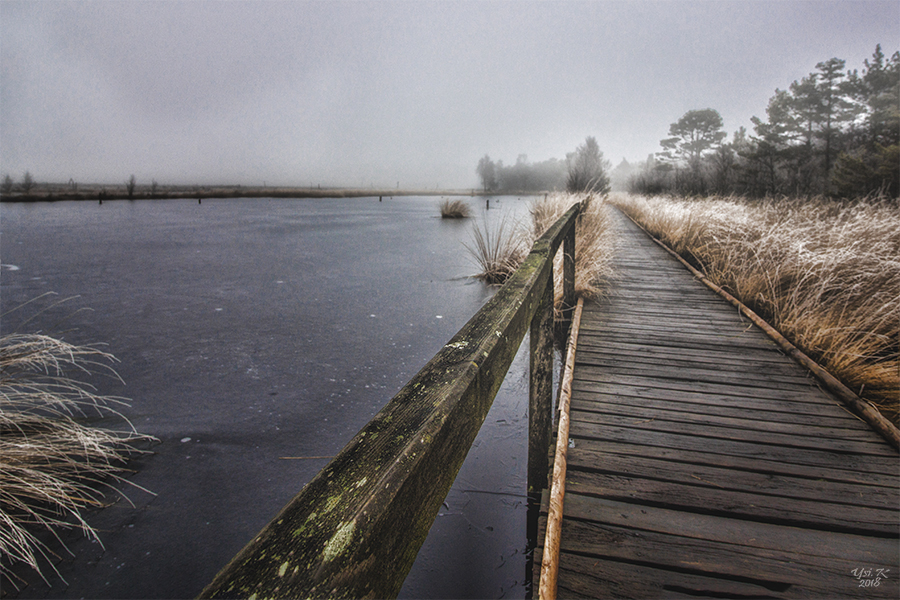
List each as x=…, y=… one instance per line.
x=540, y=393
x=568, y=277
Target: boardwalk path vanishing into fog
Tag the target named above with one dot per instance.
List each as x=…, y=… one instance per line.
x=704, y=462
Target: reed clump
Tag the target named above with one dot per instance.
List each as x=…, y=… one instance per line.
x=499, y=253
x=825, y=273
x=594, y=241
x=53, y=466
x=455, y=209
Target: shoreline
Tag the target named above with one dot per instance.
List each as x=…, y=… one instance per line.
x=56, y=193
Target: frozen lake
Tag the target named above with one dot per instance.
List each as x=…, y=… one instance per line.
x=253, y=335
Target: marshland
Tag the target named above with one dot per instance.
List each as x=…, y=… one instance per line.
x=253, y=371
x=223, y=253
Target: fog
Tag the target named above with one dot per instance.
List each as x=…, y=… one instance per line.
x=389, y=93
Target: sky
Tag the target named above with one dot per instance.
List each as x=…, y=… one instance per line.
x=390, y=93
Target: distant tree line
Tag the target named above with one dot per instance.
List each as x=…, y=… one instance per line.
x=833, y=132
x=26, y=185
x=584, y=170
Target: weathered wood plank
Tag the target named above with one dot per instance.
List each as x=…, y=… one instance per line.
x=627, y=413
x=540, y=392
x=664, y=564
x=859, y=445
x=812, y=547
x=797, y=395
x=730, y=478
x=838, y=470
x=798, y=405
x=708, y=498
x=635, y=354
x=730, y=443
x=735, y=377
x=707, y=547
x=757, y=414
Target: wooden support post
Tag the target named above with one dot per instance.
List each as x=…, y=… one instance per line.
x=540, y=396
x=568, y=276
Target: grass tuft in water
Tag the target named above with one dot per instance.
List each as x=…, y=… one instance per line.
x=52, y=465
x=455, y=209
x=497, y=253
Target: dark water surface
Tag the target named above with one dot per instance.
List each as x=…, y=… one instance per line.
x=254, y=334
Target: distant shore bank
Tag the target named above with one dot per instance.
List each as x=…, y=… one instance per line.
x=53, y=193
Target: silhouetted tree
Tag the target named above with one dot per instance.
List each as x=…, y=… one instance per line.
x=27, y=183
x=487, y=171
x=129, y=186
x=587, y=169
x=7, y=184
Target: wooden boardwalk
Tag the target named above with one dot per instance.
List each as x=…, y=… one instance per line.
x=703, y=462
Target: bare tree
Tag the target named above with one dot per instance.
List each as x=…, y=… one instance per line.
x=7, y=185
x=129, y=185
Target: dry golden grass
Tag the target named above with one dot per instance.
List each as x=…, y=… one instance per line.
x=499, y=253
x=594, y=241
x=826, y=274
x=52, y=466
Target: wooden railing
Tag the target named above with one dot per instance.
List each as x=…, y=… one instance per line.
x=355, y=529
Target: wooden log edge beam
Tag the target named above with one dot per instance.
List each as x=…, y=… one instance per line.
x=861, y=407
x=550, y=560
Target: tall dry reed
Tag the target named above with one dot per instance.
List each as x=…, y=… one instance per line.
x=500, y=252
x=826, y=274
x=52, y=465
x=594, y=241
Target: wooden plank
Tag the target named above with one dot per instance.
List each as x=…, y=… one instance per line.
x=800, y=395
x=628, y=347
x=634, y=354
x=730, y=478
x=626, y=413
x=673, y=341
x=839, y=472
x=732, y=447
x=798, y=406
x=709, y=499
x=811, y=547
x=868, y=447
x=700, y=570
x=733, y=376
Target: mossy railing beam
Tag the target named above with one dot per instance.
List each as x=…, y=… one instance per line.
x=355, y=529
